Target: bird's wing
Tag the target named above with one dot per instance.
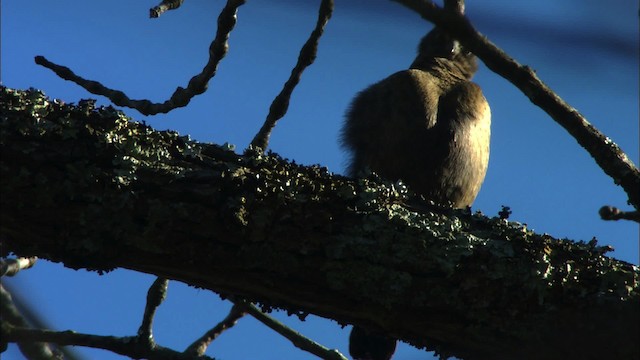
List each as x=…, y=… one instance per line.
x=463, y=125
x=389, y=123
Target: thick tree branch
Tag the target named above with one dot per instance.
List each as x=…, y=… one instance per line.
x=93, y=190
x=605, y=152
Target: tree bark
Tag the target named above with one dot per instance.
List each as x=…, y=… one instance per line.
x=92, y=189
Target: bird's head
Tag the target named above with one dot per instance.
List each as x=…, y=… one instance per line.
x=438, y=45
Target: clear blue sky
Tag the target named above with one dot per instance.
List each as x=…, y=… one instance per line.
x=585, y=50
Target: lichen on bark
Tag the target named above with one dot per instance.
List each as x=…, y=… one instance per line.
x=93, y=189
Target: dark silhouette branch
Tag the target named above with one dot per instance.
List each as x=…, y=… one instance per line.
x=155, y=296
x=307, y=56
x=127, y=346
x=613, y=213
x=605, y=152
x=199, y=346
x=35, y=342
x=181, y=97
x=15, y=310
x=11, y=315
x=297, y=339
x=164, y=6
x=93, y=190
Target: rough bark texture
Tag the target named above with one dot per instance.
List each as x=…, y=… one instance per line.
x=92, y=189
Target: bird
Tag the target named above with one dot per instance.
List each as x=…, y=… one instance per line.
x=428, y=126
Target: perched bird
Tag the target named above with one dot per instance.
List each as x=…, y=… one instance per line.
x=428, y=126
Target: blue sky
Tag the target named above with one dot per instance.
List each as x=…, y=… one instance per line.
x=585, y=50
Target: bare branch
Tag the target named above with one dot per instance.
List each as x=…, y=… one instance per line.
x=10, y=267
x=127, y=346
x=307, y=56
x=199, y=346
x=613, y=213
x=606, y=153
x=11, y=314
x=300, y=238
x=155, y=296
x=181, y=97
x=300, y=341
x=164, y=6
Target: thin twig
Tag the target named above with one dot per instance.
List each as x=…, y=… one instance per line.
x=11, y=315
x=164, y=6
x=10, y=267
x=199, y=347
x=127, y=345
x=181, y=97
x=307, y=56
x=155, y=296
x=298, y=340
x=18, y=312
x=606, y=153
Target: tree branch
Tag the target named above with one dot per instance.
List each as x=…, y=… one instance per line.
x=155, y=296
x=11, y=315
x=181, y=97
x=199, y=346
x=93, y=190
x=127, y=346
x=307, y=56
x=605, y=152
x=613, y=213
x=164, y=6
x=10, y=267
x=297, y=339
